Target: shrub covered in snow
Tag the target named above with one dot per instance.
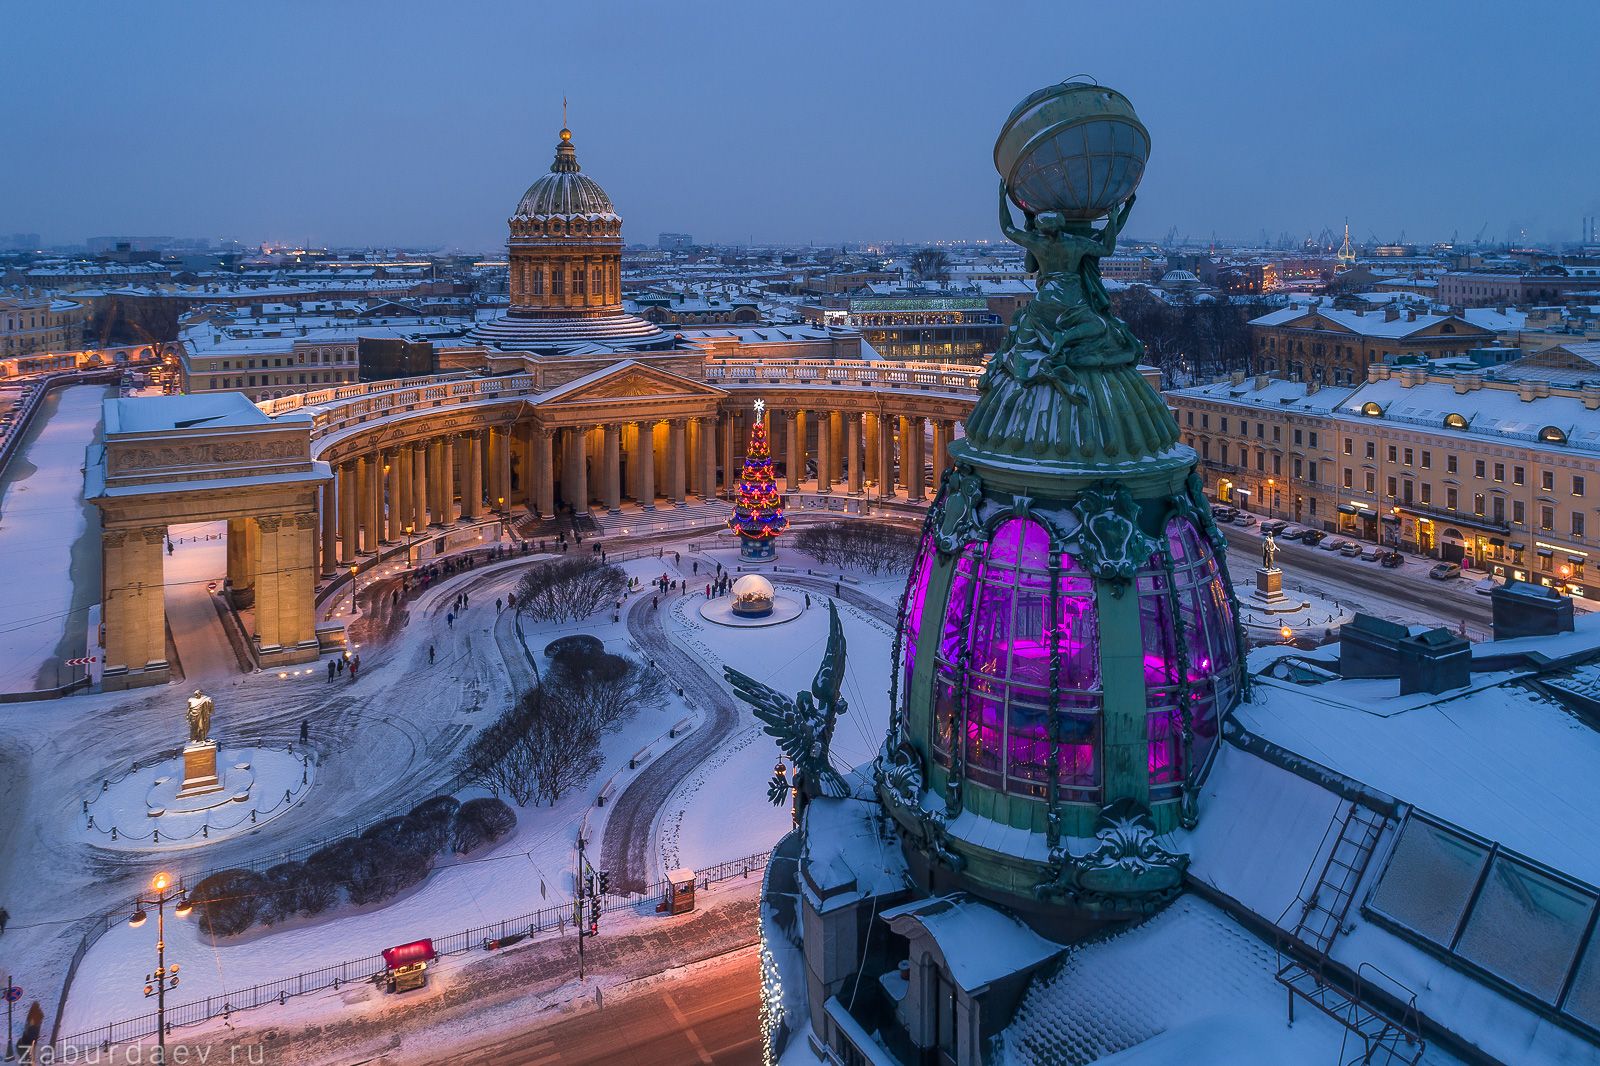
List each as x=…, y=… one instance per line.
x=481, y=822
x=876, y=547
x=229, y=902
x=569, y=589
x=574, y=644
x=386, y=859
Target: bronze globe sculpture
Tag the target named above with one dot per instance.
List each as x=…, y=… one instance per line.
x=1074, y=148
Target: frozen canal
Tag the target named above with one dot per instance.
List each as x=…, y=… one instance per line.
x=47, y=537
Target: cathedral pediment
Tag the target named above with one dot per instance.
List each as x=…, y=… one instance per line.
x=627, y=381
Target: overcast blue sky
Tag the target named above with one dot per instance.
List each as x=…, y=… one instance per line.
x=421, y=123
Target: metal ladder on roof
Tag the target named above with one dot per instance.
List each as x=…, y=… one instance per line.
x=1383, y=1040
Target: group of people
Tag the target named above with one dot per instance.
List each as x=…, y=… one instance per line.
x=339, y=664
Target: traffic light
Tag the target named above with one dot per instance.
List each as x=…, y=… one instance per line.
x=605, y=882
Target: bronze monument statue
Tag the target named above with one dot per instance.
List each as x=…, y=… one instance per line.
x=1269, y=553
x=199, y=717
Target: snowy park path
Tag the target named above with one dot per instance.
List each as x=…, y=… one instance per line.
x=49, y=541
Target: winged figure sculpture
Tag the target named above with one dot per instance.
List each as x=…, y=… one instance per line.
x=804, y=725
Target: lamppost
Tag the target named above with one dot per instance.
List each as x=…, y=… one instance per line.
x=353, y=573
x=410, y=528
x=165, y=977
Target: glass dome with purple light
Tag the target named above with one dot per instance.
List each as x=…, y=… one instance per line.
x=1070, y=641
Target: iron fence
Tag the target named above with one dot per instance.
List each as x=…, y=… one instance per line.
x=557, y=917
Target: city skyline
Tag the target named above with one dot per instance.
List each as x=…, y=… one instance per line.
x=330, y=130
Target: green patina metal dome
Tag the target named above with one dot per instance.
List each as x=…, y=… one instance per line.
x=1069, y=639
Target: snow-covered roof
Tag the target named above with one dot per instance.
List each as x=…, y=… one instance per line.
x=980, y=943
x=1276, y=393
x=1490, y=412
x=1369, y=325
x=161, y=414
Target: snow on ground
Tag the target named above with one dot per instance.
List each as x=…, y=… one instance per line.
x=42, y=515
x=722, y=811
x=529, y=870
x=198, y=558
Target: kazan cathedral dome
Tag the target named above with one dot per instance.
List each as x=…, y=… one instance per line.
x=566, y=269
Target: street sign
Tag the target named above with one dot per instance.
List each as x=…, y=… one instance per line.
x=85, y=661
x=13, y=993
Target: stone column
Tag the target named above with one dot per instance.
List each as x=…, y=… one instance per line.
x=852, y=444
x=405, y=485
x=941, y=452
x=364, y=519
x=914, y=459
x=391, y=528
x=135, y=606
x=729, y=475
x=472, y=495
x=824, y=453
x=835, y=426
x=544, y=472
x=874, y=474
x=347, y=513
x=434, y=456
x=795, y=461
x=419, y=486
x=330, y=532
x=611, y=469
x=267, y=597
x=647, y=465
x=502, y=468
x=708, y=457
x=447, y=470
x=886, y=474
x=675, y=461
x=580, y=469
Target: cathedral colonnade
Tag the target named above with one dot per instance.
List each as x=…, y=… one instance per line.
x=382, y=495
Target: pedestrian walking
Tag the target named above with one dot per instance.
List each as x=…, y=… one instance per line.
x=697, y=566
x=497, y=605
x=430, y=654
x=808, y=601
x=838, y=588
x=655, y=601
x=450, y=619
x=355, y=667
x=342, y=660
x=305, y=730
x=31, y=1028
x=332, y=669
x=5, y=916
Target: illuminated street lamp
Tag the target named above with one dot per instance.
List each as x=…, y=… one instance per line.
x=410, y=529
x=164, y=977
x=353, y=572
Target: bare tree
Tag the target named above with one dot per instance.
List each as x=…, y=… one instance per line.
x=930, y=264
x=570, y=589
x=875, y=547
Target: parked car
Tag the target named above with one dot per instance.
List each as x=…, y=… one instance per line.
x=1224, y=513
x=1350, y=548
x=1487, y=586
x=1276, y=527
x=1312, y=538
x=1245, y=519
x=1333, y=544
x=1445, y=571
x=1373, y=552
x=1391, y=560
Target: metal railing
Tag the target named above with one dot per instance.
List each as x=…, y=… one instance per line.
x=556, y=917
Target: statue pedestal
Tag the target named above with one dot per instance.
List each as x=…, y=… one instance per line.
x=1269, y=585
x=199, y=769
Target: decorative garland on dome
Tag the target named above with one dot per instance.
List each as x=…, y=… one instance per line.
x=1052, y=817
x=1188, y=808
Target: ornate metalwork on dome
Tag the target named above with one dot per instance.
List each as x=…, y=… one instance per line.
x=1069, y=638
x=566, y=193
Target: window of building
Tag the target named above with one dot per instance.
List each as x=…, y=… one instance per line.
x=1519, y=514
x=1547, y=480
x=1390, y=484
x=1261, y=431
x=1222, y=448
x=1553, y=435
x=1478, y=468
x=1451, y=463
x=1349, y=445
x=1224, y=425
x=1477, y=504
x=1517, y=475
x=1188, y=418
x=1277, y=465
x=1372, y=480
x=1348, y=475
x=1297, y=468
x=1205, y=421
x=1427, y=459
x=1547, y=518
x=1371, y=409
x=1451, y=499
x=1427, y=492
x=1297, y=436
x=1311, y=472
x=1393, y=456
x=1313, y=438
x=1577, y=525
x=1577, y=484
x=1372, y=449
x=1408, y=457
x=1455, y=421
x=1499, y=471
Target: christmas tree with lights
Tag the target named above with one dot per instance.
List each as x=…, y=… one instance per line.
x=758, y=511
